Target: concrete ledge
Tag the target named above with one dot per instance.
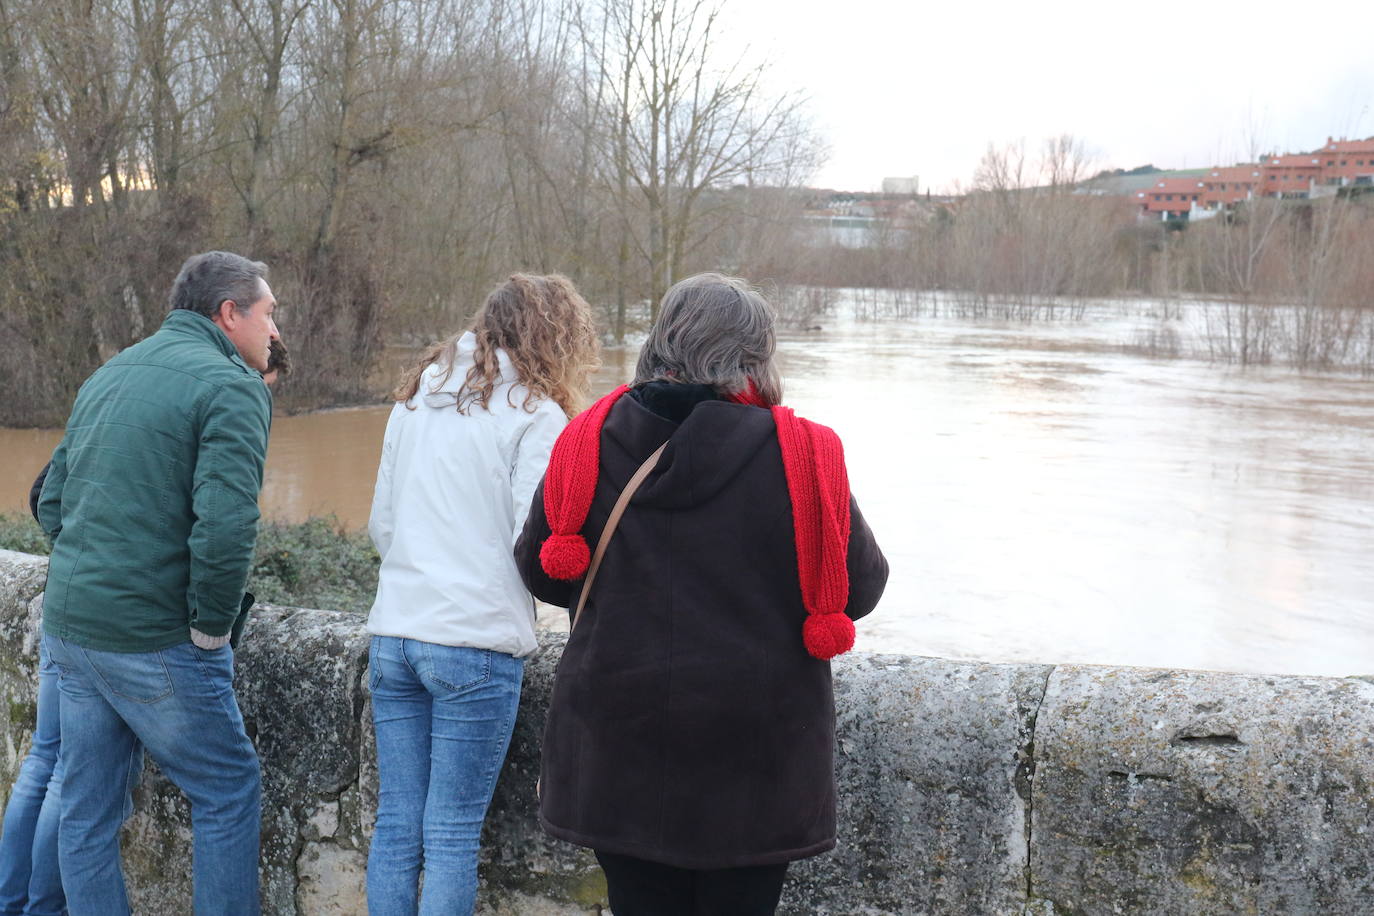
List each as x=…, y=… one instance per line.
x=965, y=788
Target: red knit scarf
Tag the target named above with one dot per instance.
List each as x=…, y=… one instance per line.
x=813, y=461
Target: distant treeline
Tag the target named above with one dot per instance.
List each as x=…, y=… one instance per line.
x=391, y=159
x=1296, y=275
x=394, y=159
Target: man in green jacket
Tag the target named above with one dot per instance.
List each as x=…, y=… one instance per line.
x=152, y=506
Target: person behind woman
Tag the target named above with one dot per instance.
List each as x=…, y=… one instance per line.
x=278, y=362
x=30, y=882
x=690, y=734
x=30, y=879
x=465, y=446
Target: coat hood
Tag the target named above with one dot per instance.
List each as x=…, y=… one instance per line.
x=716, y=442
x=440, y=391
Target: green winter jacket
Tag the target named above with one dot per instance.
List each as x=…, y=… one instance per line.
x=152, y=499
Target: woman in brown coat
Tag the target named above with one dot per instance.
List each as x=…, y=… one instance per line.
x=691, y=731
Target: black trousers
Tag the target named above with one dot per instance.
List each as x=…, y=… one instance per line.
x=641, y=888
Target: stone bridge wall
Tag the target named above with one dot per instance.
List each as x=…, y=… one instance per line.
x=966, y=788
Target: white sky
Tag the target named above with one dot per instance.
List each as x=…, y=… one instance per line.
x=906, y=87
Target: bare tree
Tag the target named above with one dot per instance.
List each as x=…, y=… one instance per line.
x=262, y=35
x=1065, y=163
x=683, y=126
x=86, y=79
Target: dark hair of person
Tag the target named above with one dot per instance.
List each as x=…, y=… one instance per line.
x=278, y=359
x=37, y=490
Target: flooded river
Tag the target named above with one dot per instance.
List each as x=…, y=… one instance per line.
x=1043, y=493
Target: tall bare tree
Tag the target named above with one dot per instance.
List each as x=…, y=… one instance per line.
x=684, y=125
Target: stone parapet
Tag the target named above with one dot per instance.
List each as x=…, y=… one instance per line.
x=965, y=787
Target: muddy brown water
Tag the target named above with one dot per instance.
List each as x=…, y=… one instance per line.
x=1042, y=492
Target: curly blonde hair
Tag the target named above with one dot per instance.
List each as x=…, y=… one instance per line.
x=544, y=326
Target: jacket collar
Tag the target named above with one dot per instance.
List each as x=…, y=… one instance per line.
x=442, y=383
x=466, y=351
x=192, y=324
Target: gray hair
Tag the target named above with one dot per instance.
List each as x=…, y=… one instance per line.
x=207, y=280
x=713, y=330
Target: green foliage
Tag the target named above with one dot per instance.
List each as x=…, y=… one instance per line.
x=21, y=533
x=316, y=563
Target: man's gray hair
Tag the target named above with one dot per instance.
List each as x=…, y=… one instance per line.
x=207, y=279
x=713, y=330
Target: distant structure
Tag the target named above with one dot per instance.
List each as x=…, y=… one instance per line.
x=862, y=219
x=1341, y=166
x=910, y=185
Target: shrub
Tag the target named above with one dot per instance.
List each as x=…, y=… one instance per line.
x=316, y=563
x=21, y=533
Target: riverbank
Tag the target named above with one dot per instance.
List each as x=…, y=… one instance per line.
x=966, y=787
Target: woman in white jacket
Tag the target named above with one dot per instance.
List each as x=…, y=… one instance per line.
x=466, y=445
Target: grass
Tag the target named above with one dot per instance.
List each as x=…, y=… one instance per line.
x=315, y=563
x=21, y=533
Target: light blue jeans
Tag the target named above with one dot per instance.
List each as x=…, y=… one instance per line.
x=179, y=704
x=444, y=717
x=30, y=884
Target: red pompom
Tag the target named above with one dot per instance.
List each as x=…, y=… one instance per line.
x=565, y=556
x=828, y=635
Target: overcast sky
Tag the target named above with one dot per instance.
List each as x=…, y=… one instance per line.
x=902, y=87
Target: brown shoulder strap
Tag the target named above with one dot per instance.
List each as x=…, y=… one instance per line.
x=618, y=510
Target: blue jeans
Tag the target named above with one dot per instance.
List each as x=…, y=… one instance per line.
x=29, y=880
x=179, y=704
x=444, y=717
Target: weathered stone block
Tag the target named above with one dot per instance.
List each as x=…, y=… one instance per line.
x=519, y=861
x=1167, y=792
x=21, y=581
x=299, y=679
x=932, y=766
x=333, y=880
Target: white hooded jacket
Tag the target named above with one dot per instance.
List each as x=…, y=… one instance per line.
x=453, y=490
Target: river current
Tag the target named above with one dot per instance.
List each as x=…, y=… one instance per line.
x=1043, y=491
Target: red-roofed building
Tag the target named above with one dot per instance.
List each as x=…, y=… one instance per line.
x=1172, y=198
x=1320, y=173
x=1225, y=186
x=1291, y=175
x=1347, y=162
